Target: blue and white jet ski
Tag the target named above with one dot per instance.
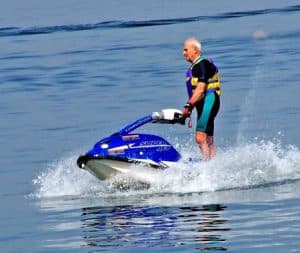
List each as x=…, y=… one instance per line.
x=118, y=152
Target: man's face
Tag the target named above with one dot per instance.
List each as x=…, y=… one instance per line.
x=190, y=52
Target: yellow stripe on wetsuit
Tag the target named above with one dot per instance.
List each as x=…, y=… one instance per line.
x=213, y=83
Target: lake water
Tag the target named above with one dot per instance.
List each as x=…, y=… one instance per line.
x=76, y=71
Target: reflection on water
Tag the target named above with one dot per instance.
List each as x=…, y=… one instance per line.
x=108, y=228
x=208, y=226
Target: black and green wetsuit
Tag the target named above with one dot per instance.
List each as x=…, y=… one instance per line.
x=204, y=70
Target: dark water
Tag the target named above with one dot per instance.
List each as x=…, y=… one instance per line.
x=74, y=71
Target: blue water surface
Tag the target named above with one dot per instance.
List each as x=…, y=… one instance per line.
x=73, y=72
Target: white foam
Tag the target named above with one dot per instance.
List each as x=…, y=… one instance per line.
x=64, y=178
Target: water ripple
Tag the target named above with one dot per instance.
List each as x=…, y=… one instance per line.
x=20, y=31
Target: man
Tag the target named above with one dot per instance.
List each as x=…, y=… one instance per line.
x=204, y=89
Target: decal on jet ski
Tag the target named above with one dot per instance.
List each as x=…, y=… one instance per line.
x=130, y=137
x=117, y=150
x=153, y=143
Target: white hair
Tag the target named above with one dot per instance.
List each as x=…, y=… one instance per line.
x=195, y=42
x=198, y=44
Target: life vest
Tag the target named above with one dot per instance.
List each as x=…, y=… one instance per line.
x=213, y=85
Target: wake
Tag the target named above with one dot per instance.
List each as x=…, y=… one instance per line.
x=248, y=165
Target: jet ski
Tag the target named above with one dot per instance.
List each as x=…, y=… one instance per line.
x=119, y=152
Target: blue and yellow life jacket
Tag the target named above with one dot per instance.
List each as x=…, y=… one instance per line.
x=213, y=85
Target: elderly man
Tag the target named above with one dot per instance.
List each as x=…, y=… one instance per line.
x=204, y=89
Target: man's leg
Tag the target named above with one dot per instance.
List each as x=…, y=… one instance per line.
x=211, y=146
x=201, y=139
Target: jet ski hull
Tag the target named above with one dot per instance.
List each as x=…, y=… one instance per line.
x=105, y=168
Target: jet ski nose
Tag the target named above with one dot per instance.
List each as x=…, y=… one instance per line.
x=81, y=161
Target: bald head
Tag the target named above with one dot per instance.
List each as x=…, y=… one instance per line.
x=191, y=49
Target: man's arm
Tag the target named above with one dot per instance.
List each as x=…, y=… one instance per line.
x=198, y=93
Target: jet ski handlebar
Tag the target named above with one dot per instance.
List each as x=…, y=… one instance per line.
x=168, y=116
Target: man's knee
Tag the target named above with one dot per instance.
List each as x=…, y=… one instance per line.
x=201, y=137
